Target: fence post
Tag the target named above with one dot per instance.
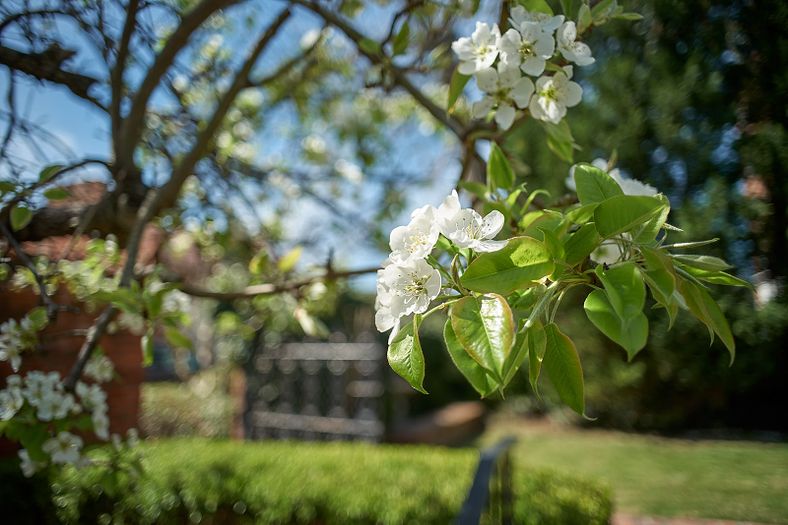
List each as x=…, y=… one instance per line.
x=478, y=499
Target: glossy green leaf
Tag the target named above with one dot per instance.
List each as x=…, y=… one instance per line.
x=582, y=214
x=717, y=277
x=405, y=356
x=147, y=347
x=624, y=213
x=580, y=244
x=648, y=232
x=290, y=259
x=631, y=334
x=624, y=288
x=702, y=306
x=38, y=316
x=703, y=262
x=20, y=217
x=499, y=172
x=560, y=140
x=476, y=375
x=369, y=46
x=594, y=185
x=485, y=327
x=562, y=365
x=456, y=85
x=632, y=17
x=517, y=265
x=660, y=271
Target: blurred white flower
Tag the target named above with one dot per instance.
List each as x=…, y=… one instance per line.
x=64, y=448
x=547, y=23
x=28, y=466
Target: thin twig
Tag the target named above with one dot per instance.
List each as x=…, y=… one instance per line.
x=51, y=306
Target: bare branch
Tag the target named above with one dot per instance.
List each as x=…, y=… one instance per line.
x=269, y=288
x=116, y=77
x=91, y=342
x=51, y=306
x=47, y=65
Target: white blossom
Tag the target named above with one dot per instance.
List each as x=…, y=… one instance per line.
x=572, y=50
x=100, y=368
x=547, y=23
x=28, y=466
x=11, y=401
x=64, y=448
x=11, y=344
x=527, y=47
x=504, y=89
x=404, y=289
x=466, y=228
x=553, y=95
x=416, y=240
x=100, y=423
x=479, y=51
x=92, y=397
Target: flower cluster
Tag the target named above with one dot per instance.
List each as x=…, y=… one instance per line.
x=42, y=398
x=408, y=281
x=533, y=41
x=17, y=337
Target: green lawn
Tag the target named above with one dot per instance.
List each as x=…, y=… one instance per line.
x=663, y=477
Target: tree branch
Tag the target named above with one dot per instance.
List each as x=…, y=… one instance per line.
x=270, y=288
x=116, y=77
x=379, y=58
x=47, y=65
x=133, y=124
x=51, y=306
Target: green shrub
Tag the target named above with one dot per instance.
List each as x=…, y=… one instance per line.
x=338, y=483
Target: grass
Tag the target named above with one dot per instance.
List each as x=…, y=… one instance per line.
x=655, y=476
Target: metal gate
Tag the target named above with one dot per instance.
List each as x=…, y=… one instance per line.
x=316, y=391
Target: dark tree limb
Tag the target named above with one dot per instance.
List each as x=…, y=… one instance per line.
x=47, y=66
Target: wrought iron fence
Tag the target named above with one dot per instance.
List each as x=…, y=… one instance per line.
x=490, y=499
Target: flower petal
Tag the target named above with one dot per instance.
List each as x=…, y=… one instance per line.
x=489, y=246
x=492, y=224
x=504, y=116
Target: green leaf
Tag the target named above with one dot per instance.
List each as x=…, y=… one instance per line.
x=631, y=334
x=648, y=232
x=476, y=375
x=624, y=288
x=147, y=348
x=20, y=217
x=633, y=17
x=38, y=316
x=456, y=85
x=290, y=259
x=702, y=306
x=369, y=46
x=569, y=7
x=56, y=194
x=580, y=244
x=584, y=19
x=603, y=10
x=401, y=40
x=177, y=338
x=476, y=188
x=49, y=172
x=703, y=262
x=562, y=365
x=560, y=140
x=519, y=264
x=623, y=213
x=485, y=327
x=405, y=356
x=660, y=271
x=6, y=187
x=537, y=345
x=536, y=6
x=581, y=214
x=594, y=185
x=499, y=172
x=716, y=277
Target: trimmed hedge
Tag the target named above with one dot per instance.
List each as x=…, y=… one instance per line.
x=194, y=480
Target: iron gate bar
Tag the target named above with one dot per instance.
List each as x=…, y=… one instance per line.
x=478, y=496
